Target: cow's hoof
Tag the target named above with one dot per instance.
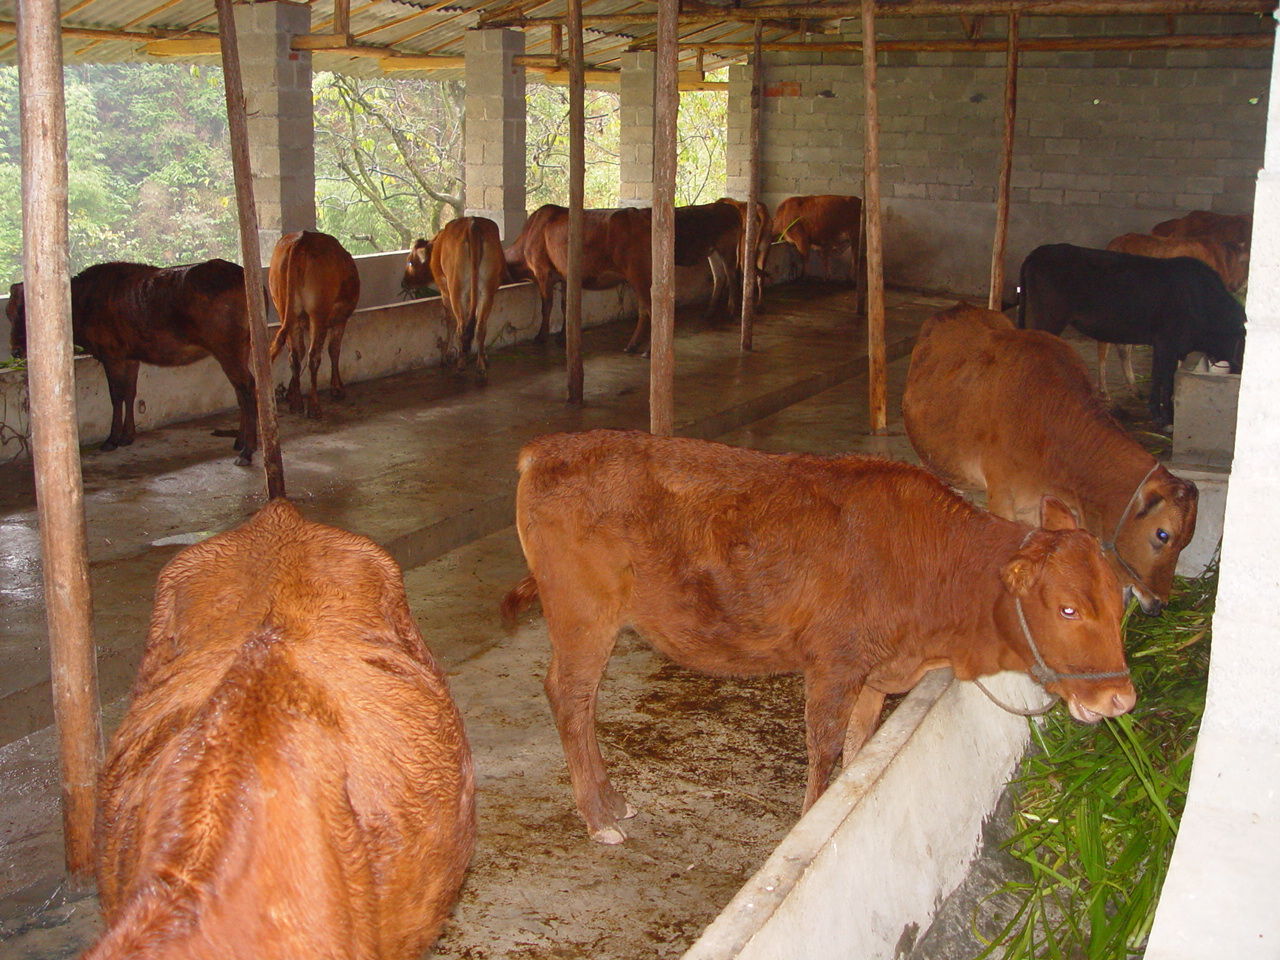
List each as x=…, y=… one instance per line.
x=280, y=393
x=540, y=337
x=108, y=445
x=609, y=835
x=298, y=407
x=338, y=393
x=245, y=459
x=313, y=411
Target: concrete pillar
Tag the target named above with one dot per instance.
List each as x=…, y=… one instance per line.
x=635, y=141
x=277, y=92
x=737, y=150
x=494, y=134
x=1219, y=899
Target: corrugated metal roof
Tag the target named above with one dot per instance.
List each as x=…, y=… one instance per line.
x=403, y=26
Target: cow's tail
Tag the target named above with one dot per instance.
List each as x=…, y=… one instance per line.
x=475, y=253
x=518, y=599
x=285, y=306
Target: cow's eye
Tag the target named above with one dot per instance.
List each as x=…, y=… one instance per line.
x=1071, y=613
x=1162, y=535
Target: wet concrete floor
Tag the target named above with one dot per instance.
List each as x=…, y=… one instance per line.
x=423, y=463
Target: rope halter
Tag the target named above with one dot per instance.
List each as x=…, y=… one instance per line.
x=1040, y=671
x=1109, y=546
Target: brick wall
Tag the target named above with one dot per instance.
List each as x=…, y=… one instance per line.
x=1107, y=142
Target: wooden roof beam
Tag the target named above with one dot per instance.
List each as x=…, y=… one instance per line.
x=1224, y=41
x=921, y=8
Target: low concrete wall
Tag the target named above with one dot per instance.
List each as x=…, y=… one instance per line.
x=917, y=794
x=380, y=340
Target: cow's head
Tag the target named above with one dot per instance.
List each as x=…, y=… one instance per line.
x=17, y=314
x=417, y=268
x=1219, y=329
x=1161, y=520
x=1072, y=604
x=1237, y=264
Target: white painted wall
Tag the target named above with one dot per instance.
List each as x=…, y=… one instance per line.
x=863, y=872
x=1221, y=893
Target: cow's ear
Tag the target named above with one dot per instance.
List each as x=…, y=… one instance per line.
x=1056, y=515
x=1021, y=573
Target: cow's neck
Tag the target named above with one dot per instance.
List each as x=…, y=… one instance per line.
x=1101, y=468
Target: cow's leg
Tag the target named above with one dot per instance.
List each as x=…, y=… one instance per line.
x=581, y=643
x=450, y=322
x=1125, y=351
x=319, y=333
x=863, y=721
x=1164, y=363
x=641, y=333
x=293, y=395
x=1103, y=349
x=800, y=241
x=337, y=389
x=117, y=375
x=719, y=281
x=236, y=368
x=830, y=690
x=484, y=303
x=130, y=394
x=546, y=293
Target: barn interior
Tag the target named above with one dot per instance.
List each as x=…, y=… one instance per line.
x=1126, y=114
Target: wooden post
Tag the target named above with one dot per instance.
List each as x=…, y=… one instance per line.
x=995, y=299
x=342, y=17
x=55, y=446
x=877, y=407
x=577, y=182
x=557, y=42
x=750, y=228
x=666, y=107
x=237, y=122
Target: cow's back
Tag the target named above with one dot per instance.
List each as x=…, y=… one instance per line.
x=292, y=750
x=712, y=550
x=984, y=399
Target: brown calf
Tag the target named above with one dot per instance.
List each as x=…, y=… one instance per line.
x=466, y=262
x=292, y=778
x=313, y=276
x=820, y=221
x=860, y=573
x=127, y=314
x=1012, y=411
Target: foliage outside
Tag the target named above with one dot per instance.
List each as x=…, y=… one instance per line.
x=1097, y=807
x=150, y=169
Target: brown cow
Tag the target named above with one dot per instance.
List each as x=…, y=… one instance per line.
x=819, y=221
x=127, y=314
x=615, y=251
x=762, y=237
x=313, y=276
x=1012, y=411
x=1228, y=227
x=466, y=261
x=292, y=778
x=860, y=573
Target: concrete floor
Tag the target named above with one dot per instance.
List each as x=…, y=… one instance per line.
x=424, y=463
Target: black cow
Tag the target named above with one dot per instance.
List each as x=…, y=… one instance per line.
x=1176, y=306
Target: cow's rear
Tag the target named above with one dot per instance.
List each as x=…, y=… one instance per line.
x=468, y=265
x=315, y=287
x=292, y=778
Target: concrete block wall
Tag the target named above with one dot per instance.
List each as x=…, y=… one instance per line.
x=494, y=132
x=1106, y=142
x=635, y=140
x=277, y=92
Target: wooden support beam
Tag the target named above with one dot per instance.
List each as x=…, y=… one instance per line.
x=342, y=17
x=97, y=33
x=662, y=292
x=407, y=61
x=577, y=195
x=750, y=228
x=205, y=45
x=921, y=8
x=329, y=41
x=1201, y=41
x=557, y=41
x=877, y=369
x=238, y=126
x=995, y=297
x=55, y=445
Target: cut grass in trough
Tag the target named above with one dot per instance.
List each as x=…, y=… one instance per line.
x=1096, y=808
